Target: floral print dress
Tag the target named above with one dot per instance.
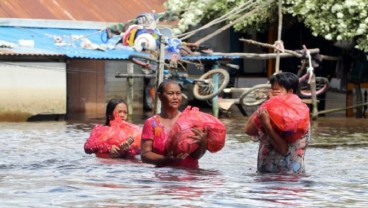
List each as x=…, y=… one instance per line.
x=270, y=161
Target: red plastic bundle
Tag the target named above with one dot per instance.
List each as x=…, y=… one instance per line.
x=289, y=116
x=216, y=133
x=179, y=139
x=121, y=131
x=103, y=137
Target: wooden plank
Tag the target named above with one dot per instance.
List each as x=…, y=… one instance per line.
x=226, y=103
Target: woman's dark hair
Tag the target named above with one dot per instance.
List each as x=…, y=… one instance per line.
x=287, y=80
x=162, y=85
x=110, y=109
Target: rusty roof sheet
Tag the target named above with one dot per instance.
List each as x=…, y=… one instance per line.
x=82, y=10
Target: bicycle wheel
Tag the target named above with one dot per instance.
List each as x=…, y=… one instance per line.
x=204, y=88
x=322, y=85
x=143, y=61
x=256, y=95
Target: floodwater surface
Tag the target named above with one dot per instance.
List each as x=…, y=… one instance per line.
x=43, y=164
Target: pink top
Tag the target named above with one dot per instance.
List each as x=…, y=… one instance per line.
x=155, y=131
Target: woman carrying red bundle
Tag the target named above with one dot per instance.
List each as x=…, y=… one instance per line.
x=180, y=136
x=281, y=125
x=157, y=128
x=116, y=138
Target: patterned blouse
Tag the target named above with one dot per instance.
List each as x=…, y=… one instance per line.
x=270, y=161
x=155, y=131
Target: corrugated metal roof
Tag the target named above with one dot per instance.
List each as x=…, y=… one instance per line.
x=42, y=12
x=25, y=51
x=60, y=42
x=87, y=10
x=69, y=43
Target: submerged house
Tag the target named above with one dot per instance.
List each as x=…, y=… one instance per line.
x=54, y=58
x=53, y=62
x=58, y=62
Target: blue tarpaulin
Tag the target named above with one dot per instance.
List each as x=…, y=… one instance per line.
x=68, y=42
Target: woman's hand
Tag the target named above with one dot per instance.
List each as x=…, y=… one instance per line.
x=264, y=118
x=170, y=156
x=276, y=141
x=125, y=146
x=114, y=151
x=200, y=136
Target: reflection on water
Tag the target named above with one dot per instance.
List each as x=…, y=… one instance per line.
x=43, y=165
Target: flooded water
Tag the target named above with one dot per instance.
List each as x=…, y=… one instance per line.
x=43, y=164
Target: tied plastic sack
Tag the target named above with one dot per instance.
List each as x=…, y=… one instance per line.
x=121, y=131
x=180, y=140
x=289, y=116
x=103, y=137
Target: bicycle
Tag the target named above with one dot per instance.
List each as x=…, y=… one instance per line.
x=203, y=87
x=258, y=94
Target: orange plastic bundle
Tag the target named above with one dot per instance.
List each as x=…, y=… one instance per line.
x=120, y=131
x=179, y=139
x=289, y=116
x=103, y=137
x=216, y=133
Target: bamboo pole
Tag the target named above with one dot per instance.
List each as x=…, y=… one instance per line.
x=130, y=96
x=342, y=109
x=227, y=16
x=200, y=41
x=267, y=45
x=290, y=52
x=159, y=73
x=312, y=83
x=260, y=55
x=279, y=31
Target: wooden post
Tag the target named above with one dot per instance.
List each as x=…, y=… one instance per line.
x=358, y=100
x=366, y=106
x=130, y=96
x=349, y=100
x=279, y=30
x=215, y=106
x=350, y=97
x=314, y=97
x=271, y=62
x=159, y=73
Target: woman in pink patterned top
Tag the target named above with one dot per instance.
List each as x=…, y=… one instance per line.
x=156, y=131
x=111, y=139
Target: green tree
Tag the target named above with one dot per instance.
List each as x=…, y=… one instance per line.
x=335, y=20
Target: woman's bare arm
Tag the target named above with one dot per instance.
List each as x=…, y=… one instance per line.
x=201, y=138
x=276, y=141
x=150, y=157
x=250, y=127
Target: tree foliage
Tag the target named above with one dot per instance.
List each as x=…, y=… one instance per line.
x=335, y=20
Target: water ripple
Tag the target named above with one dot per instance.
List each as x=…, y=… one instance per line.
x=44, y=165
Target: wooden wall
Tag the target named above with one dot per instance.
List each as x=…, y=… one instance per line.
x=85, y=89
x=91, y=83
